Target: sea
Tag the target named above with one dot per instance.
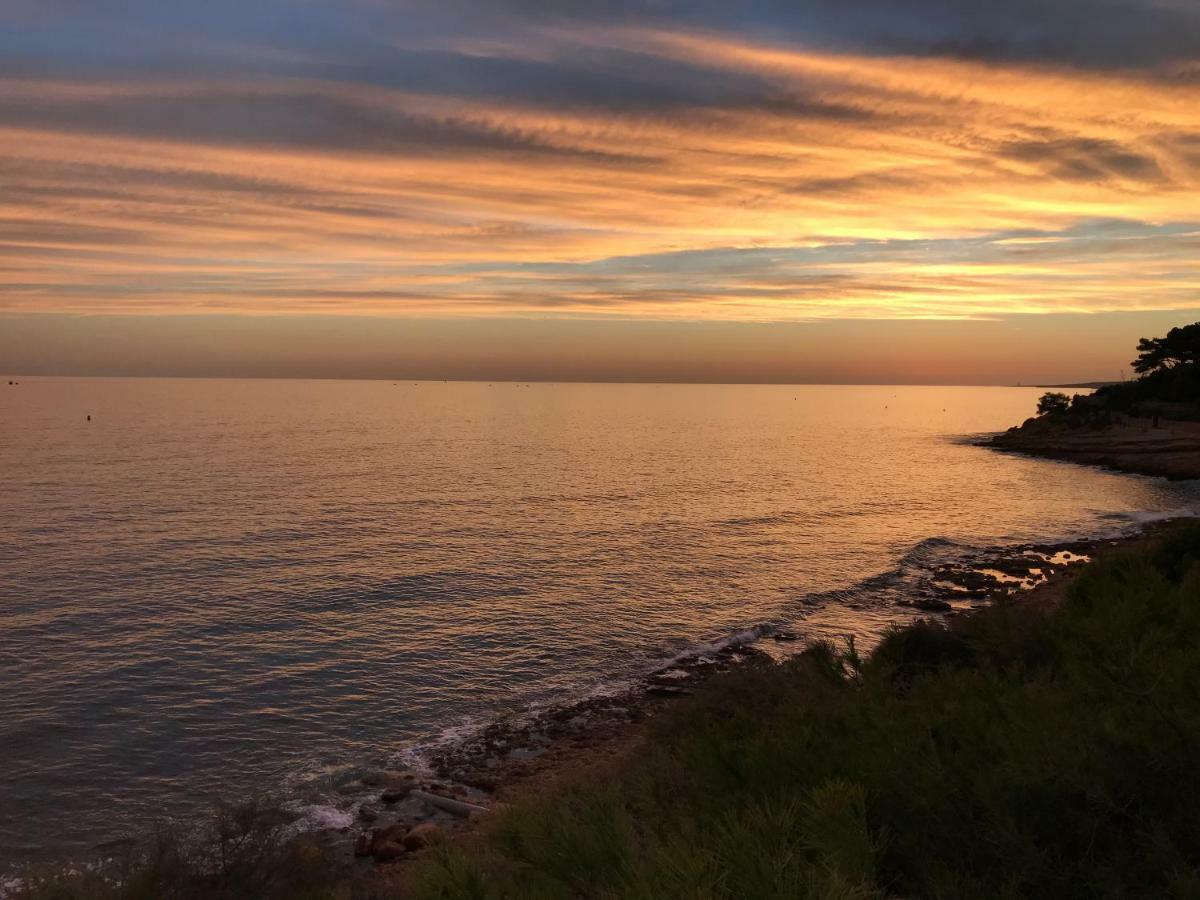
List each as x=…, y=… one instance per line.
x=221, y=588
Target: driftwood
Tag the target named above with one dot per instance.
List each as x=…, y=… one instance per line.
x=448, y=804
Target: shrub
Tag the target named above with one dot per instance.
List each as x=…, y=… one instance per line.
x=1053, y=403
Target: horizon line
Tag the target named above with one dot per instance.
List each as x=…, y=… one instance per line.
x=1093, y=383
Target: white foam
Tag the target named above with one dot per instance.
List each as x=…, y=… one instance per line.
x=1146, y=517
x=318, y=817
x=416, y=756
x=737, y=639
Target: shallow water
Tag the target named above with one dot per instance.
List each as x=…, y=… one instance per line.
x=217, y=587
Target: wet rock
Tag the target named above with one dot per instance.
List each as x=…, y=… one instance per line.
x=368, y=813
x=422, y=836
x=786, y=636
x=1018, y=567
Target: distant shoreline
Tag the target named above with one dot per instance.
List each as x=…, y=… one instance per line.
x=1081, y=384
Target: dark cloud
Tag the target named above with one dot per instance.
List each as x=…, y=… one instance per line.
x=1102, y=33
x=404, y=43
x=283, y=118
x=609, y=78
x=1085, y=159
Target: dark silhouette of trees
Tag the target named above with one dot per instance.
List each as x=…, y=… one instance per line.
x=1052, y=403
x=1167, y=387
x=1179, y=347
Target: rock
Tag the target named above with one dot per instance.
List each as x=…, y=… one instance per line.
x=786, y=636
x=362, y=846
x=390, y=834
x=389, y=851
x=395, y=794
x=481, y=782
x=422, y=836
x=368, y=813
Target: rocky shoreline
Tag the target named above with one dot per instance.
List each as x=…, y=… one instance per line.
x=1142, y=446
x=520, y=756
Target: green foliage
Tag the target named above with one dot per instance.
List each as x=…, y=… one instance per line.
x=1013, y=753
x=1052, y=403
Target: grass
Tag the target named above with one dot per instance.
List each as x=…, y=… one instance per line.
x=1013, y=753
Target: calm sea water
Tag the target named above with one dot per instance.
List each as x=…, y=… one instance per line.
x=220, y=587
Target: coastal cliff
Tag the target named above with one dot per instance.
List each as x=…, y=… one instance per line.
x=1170, y=449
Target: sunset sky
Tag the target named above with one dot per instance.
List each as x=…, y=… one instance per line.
x=813, y=190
